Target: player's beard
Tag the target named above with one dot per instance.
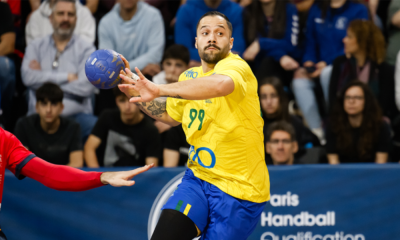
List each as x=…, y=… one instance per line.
x=213, y=58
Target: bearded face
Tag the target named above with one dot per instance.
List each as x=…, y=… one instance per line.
x=212, y=54
x=213, y=39
x=63, y=19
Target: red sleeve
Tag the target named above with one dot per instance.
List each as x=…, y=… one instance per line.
x=16, y=154
x=59, y=177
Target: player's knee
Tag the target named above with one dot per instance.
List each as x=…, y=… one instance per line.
x=174, y=225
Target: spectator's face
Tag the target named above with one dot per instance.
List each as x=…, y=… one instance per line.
x=213, y=39
x=173, y=68
x=128, y=4
x=269, y=99
x=49, y=112
x=350, y=43
x=128, y=110
x=281, y=148
x=63, y=19
x=354, y=101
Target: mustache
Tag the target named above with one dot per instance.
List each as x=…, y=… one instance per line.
x=212, y=45
x=65, y=24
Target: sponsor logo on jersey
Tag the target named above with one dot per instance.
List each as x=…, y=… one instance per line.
x=191, y=74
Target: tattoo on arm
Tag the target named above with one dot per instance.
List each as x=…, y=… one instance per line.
x=155, y=108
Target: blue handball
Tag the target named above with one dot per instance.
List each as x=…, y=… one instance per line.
x=102, y=68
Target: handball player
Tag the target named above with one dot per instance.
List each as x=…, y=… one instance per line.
x=226, y=185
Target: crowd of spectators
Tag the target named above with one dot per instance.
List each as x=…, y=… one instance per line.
x=328, y=75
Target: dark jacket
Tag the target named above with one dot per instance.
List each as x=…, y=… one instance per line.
x=381, y=82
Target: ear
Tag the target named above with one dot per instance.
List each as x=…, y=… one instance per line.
x=295, y=147
x=231, y=43
x=268, y=148
x=37, y=106
x=195, y=43
x=62, y=106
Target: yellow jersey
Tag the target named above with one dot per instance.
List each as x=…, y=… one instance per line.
x=226, y=133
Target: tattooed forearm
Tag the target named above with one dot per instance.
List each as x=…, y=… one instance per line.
x=155, y=108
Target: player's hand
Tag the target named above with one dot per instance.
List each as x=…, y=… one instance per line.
x=123, y=178
x=147, y=90
x=252, y=51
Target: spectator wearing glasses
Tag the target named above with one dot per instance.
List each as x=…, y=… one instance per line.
x=281, y=143
x=274, y=107
x=364, y=47
x=356, y=131
x=60, y=58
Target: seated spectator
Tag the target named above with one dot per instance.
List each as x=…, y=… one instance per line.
x=364, y=47
x=393, y=24
x=281, y=143
x=123, y=137
x=135, y=29
x=176, y=148
x=40, y=26
x=271, y=30
x=356, y=131
x=174, y=62
x=60, y=58
x=47, y=134
x=189, y=14
x=326, y=27
x=7, y=67
x=274, y=107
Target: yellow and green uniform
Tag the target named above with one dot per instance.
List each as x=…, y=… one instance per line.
x=226, y=133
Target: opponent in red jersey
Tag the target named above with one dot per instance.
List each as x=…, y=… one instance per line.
x=15, y=157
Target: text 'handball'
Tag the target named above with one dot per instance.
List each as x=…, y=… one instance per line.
x=102, y=68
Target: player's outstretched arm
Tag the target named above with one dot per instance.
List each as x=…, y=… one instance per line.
x=195, y=89
x=65, y=178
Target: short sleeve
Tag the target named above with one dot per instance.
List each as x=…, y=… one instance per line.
x=384, y=141
x=76, y=140
x=176, y=106
x=17, y=155
x=236, y=69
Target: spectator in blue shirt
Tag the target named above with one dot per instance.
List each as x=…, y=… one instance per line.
x=326, y=28
x=275, y=41
x=189, y=14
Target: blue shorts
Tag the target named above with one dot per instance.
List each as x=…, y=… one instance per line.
x=216, y=214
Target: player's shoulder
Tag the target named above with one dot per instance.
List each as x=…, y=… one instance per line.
x=233, y=60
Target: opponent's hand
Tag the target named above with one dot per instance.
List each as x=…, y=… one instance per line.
x=147, y=90
x=123, y=178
